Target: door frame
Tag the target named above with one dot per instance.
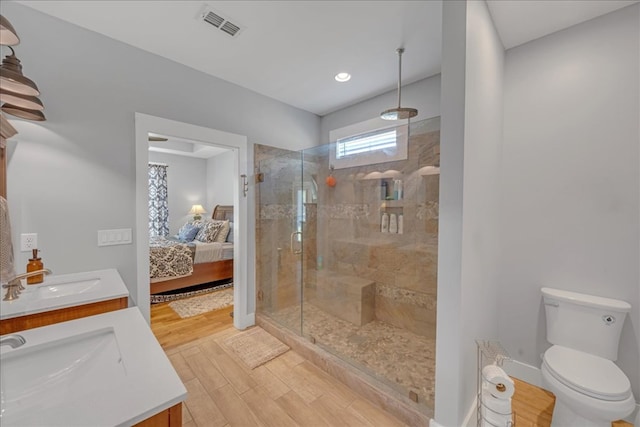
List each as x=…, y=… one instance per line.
x=244, y=232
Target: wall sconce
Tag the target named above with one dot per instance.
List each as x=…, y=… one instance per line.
x=8, y=36
x=18, y=94
x=11, y=77
x=24, y=113
x=196, y=210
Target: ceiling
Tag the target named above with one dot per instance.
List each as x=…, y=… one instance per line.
x=291, y=50
x=184, y=147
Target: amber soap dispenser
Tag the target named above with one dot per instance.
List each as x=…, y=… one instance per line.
x=35, y=264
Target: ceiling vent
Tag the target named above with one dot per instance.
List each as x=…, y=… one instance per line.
x=221, y=22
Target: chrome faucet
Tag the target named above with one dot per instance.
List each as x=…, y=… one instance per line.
x=13, y=341
x=14, y=287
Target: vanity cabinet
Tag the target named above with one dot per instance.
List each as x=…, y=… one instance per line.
x=171, y=417
x=30, y=321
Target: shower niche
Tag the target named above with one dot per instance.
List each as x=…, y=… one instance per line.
x=327, y=271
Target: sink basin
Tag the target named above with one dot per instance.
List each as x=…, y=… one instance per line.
x=37, y=380
x=64, y=289
x=102, y=370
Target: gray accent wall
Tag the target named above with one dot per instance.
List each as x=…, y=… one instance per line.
x=469, y=245
x=75, y=173
x=424, y=95
x=219, y=174
x=571, y=179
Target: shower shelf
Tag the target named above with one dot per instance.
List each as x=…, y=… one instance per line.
x=391, y=204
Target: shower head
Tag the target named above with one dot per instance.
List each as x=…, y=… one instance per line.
x=399, y=113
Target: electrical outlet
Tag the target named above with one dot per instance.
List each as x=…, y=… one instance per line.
x=28, y=241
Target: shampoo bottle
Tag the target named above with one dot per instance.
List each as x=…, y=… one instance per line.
x=383, y=190
x=400, y=224
x=35, y=264
x=384, y=226
x=393, y=223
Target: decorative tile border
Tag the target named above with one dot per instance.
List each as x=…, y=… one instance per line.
x=344, y=211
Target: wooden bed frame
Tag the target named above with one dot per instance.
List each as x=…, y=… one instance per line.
x=204, y=272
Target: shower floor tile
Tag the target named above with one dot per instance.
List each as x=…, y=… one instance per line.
x=402, y=359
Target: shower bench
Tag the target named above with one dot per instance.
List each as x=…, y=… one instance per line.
x=349, y=298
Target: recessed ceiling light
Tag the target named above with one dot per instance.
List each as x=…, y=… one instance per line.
x=343, y=77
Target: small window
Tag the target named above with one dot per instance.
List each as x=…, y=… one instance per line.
x=366, y=143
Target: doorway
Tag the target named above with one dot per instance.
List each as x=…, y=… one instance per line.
x=244, y=218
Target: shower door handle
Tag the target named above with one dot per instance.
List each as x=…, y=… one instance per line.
x=292, y=246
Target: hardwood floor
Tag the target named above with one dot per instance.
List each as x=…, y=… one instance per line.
x=288, y=390
x=172, y=331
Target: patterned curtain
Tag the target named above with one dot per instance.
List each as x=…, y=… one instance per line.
x=158, y=201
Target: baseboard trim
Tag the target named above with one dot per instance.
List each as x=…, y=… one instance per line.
x=243, y=322
x=470, y=420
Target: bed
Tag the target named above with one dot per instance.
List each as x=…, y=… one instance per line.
x=195, y=272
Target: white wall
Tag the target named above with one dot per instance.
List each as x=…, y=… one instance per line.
x=75, y=173
x=187, y=186
x=219, y=173
x=469, y=251
x=570, y=213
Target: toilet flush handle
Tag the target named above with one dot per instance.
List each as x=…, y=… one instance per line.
x=609, y=319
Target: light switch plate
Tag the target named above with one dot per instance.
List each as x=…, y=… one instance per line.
x=28, y=241
x=120, y=236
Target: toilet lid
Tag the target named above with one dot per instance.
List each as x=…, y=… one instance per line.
x=588, y=374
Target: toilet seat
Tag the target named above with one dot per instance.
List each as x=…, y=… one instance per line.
x=587, y=374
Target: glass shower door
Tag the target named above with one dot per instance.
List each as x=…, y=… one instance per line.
x=281, y=197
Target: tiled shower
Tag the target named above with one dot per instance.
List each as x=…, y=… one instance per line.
x=328, y=272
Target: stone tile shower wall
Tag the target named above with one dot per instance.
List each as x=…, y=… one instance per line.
x=342, y=237
x=402, y=266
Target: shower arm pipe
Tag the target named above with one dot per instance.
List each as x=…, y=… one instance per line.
x=400, y=51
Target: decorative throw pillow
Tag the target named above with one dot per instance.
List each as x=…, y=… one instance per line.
x=224, y=231
x=188, y=232
x=230, y=235
x=209, y=231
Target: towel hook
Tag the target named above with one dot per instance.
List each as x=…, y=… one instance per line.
x=245, y=185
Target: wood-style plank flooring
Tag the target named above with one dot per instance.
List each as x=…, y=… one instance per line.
x=287, y=391
x=172, y=331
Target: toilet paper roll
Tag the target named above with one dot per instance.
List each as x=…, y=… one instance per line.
x=495, y=420
x=494, y=404
x=497, y=382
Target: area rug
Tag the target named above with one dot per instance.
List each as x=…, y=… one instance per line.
x=190, y=307
x=189, y=292
x=255, y=346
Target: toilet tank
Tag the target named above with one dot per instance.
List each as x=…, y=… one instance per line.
x=583, y=322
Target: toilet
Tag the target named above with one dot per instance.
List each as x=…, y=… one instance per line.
x=579, y=368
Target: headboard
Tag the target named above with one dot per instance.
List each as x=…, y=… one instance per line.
x=223, y=212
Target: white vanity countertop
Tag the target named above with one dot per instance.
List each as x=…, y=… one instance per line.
x=65, y=290
x=146, y=382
